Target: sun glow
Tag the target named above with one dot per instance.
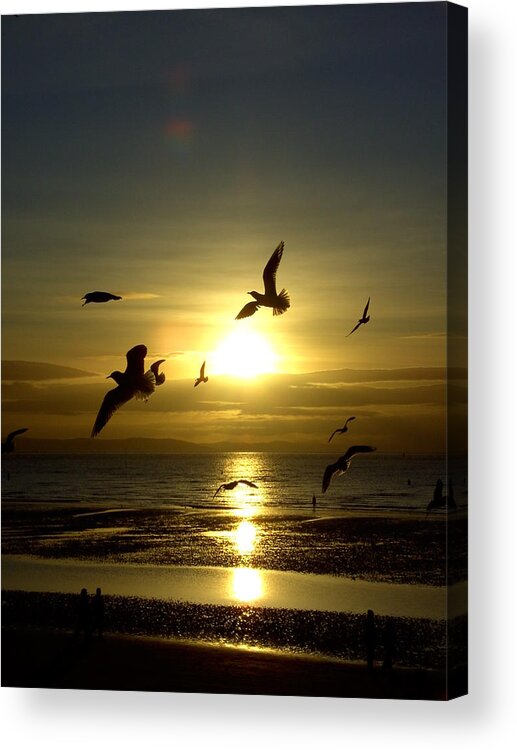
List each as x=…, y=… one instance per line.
x=245, y=536
x=244, y=354
x=247, y=584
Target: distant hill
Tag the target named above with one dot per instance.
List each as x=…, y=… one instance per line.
x=157, y=445
x=18, y=370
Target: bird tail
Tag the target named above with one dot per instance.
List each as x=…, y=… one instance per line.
x=283, y=304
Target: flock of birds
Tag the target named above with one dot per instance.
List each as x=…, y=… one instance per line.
x=139, y=383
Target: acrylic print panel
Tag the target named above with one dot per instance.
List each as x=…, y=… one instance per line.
x=253, y=223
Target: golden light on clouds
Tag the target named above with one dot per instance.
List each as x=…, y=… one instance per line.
x=244, y=354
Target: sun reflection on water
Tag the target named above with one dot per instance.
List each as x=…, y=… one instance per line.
x=245, y=537
x=247, y=501
x=247, y=584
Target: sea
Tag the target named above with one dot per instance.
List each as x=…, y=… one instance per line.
x=284, y=481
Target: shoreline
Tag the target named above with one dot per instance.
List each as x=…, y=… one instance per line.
x=211, y=585
x=388, y=546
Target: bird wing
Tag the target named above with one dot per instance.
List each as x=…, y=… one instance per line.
x=248, y=310
x=135, y=360
x=250, y=484
x=330, y=438
x=218, y=490
x=156, y=366
x=202, y=371
x=269, y=275
x=145, y=386
x=349, y=420
x=330, y=471
x=356, y=449
x=14, y=433
x=158, y=376
x=113, y=400
x=366, y=308
x=353, y=329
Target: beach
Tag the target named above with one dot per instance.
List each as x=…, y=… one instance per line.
x=54, y=660
x=249, y=593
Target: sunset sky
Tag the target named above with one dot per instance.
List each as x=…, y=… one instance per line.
x=162, y=156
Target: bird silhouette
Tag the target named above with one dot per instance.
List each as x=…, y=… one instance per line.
x=361, y=321
x=202, y=378
x=8, y=445
x=343, y=429
x=233, y=485
x=342, y=464
x=98, y=297
x=159, y=378
x=133, y=383
x=442, y=501
x=279, y=302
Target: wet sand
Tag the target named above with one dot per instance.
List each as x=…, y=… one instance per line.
x=360, y=551
x=391, y=546
x=56, y=660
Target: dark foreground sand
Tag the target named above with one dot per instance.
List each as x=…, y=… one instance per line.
x=53, y=659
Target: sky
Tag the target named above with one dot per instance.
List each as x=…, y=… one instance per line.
x=162, y=156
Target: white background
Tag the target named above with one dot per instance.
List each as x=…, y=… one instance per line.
x=486, y=718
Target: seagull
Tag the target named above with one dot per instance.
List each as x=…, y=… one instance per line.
x=133, y=383
x=364, y=319
x=442, y=501
x=8, y=444
x=159, y=378
x=99, y=297
x=342, y=464
x=233, y=485
x=343, y=429
x=270, y=298
x=202, y=378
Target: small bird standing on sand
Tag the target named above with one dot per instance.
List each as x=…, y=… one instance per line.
x=233, y=485
x=8, y=445
x=343, y=429
x=159, y=378
x=279, y=302
x=362, y=320
x=99, y=297
x=202, y=377
x=133, y=383
x=342, y=464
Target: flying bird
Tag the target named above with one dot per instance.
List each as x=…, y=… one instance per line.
x=99, y=297
x=133, y=383
x=202, y=377
x=362, y=320
x=279, y=302
x=342, y=464
x=8, y=445
x=343, y=429
x=159, y=378
x=233, y=485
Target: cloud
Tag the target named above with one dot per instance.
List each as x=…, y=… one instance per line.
x=17, y=370
x=139, y=295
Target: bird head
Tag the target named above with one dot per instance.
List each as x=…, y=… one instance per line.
x=117, y=376
x=254, y=294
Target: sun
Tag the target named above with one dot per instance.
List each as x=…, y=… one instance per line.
x=244, y=354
